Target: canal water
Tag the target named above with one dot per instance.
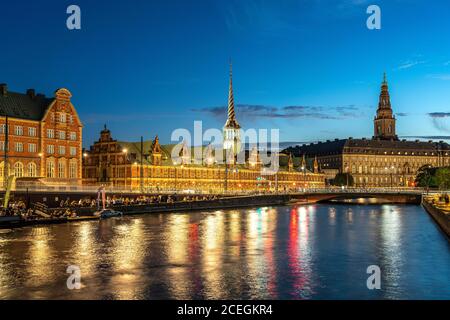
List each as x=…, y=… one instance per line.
x=298, y=252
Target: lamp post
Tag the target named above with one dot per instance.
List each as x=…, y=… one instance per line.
x=392, y=170
x=304, y=177
x=85, y=155
x=125, y=151
x=347, y=173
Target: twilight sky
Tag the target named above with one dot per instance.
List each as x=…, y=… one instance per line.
x=308, y=67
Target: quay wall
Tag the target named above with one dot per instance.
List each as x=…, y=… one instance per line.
x=441, y=218
x=222, y=203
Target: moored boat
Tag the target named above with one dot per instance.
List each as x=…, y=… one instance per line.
x=108, y=213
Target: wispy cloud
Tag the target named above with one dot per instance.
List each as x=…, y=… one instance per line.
x=401, y=114
x=443, y=77
x=427, y=137
x=440, y=120
x=409, y=64
x=287, y=112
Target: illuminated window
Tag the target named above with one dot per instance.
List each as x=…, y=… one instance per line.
x=73, y=169
x=50, y=133
x=32, y=171
x=61, y=169
x=50, y=169
x=18, y=169
x=18, y=130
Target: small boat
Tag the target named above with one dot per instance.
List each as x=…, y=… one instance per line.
x=108, y=213
x=8, y=221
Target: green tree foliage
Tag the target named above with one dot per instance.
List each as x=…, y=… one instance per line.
x=426, y=177
x=443, y=178
x=341, y=179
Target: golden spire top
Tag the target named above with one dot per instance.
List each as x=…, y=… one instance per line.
x=384, y=78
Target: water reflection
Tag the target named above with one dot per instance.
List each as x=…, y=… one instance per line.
x=300, y=252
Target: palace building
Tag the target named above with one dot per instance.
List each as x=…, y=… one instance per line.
x=382, y=161
x=149, y=166
x=40, y=137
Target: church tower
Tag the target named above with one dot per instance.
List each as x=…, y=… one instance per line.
x=231, y=130
x=384, y=123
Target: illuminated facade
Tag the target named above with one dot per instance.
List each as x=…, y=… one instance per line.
x=119, y=164
x=384, y=160
x=149, y=166
x=40, y=137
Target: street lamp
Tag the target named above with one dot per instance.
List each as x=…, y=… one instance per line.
x=304, y=177
x=392, y=170
x=125, y=151
x=347, y=174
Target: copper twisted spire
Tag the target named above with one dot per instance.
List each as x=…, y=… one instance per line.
x=231, y=121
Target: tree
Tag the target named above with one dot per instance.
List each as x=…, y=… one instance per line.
x=443, y=178
x=426, y=177
x=343, y=179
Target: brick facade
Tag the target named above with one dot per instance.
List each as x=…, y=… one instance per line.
x=44, y=137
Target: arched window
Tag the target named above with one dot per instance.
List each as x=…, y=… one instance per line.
x=61, y=169
x=73, y=169
x=18, y=169
x=32, y=171
x=50, y=169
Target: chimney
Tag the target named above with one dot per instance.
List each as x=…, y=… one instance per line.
x=3, y=89
x=31, y=93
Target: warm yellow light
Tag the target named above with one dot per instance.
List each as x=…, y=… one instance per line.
x=125, y=150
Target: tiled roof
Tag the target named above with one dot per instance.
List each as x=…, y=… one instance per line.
x=362, y=145
x=24, y=106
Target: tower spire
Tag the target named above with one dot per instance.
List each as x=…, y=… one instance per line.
x=384, y=123
x=231, y=120
x=231, y=130
x=231, y=113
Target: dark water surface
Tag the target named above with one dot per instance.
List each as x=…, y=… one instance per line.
x=305, y=252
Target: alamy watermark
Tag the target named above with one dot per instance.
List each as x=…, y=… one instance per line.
x=374, y=20
x=73, y=21
x=374, y=280
x=209, y=147
x=74, y=280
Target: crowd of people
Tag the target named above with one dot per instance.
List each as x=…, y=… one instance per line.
x=66, y=206
x=140, y=200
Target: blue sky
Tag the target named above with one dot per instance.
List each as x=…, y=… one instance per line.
x=308, y=67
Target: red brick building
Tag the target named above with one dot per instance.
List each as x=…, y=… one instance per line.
x=44, y=137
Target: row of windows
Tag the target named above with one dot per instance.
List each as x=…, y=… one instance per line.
x=61, y=135
x=380, y=170
x=19, y=130
x=51, y=171
x=19, y=147
x=20, y=170
x=31, y=169
x=62, y=117
x=385, y=180
x=61, y=150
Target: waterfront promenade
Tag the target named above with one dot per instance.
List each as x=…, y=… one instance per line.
x=35, y=208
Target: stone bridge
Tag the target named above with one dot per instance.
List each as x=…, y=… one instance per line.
x=412, y=197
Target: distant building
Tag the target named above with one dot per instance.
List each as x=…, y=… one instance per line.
x=149, y=166
x=382, y=161
x=44, y=137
